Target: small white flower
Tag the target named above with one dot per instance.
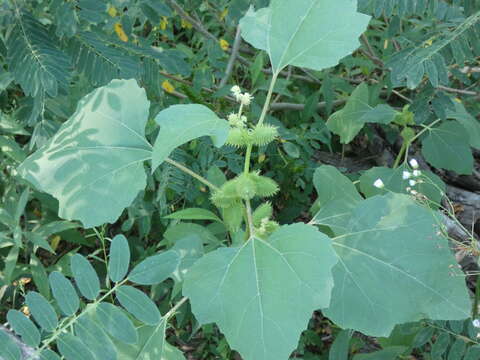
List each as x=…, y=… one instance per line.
x=237, y=121
x=236, y=90
x=413, y=192
x=406, y=175
x=412, y=182
x=232, y=117
x=379, y=184
x=414, y=163
x=245, y=99
x=476, y=323
x=408, y=188
x=417, y=173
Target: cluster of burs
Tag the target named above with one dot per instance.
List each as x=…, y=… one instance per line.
x=248, y=185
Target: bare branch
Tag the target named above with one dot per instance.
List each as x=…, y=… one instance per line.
x=233, y=57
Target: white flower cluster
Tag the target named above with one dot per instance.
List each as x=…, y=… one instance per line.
x=238, y=121
x=243, y=98
x=412, y=177
x=379, y=184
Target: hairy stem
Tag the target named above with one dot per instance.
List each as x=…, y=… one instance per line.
x=248, y=154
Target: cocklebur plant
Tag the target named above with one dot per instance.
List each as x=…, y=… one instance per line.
x=384, y=261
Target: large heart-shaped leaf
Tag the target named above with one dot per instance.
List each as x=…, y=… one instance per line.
x=357, y=112
x=337, y=196
x=94, y=164
x=394, y=267
x=262, y=294
x=182, y=123
x=305, y=33
x=471, y=124
x=447, y=147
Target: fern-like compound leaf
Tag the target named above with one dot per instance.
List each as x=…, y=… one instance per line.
x=34, y=59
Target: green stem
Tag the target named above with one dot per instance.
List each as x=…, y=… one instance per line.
x=406, y=145
x=426, y=128
x=400, y=154
x=191, y=173
x=175, y=308
x=248, y=154
x=70, y=322
x=266, y=106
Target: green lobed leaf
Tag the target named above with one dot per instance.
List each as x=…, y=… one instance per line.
x=406, y=334
x=93, y=165
x=72, y=348
x=138, y=304
x=151, y=346
x=194, y=214
x=154, y=269
x=189, y=249
x=64, y=292
x=445, y=148
x=262, y=294
x=9, y=349
x=180, y=124
x=340, y=347
x=42, y=311
x=471, y=124
x=116, y=323
x=393, y=241
x=92, y=335
x=337, y=196
x=307, y=34
x=119, y=259
x=86, y=277
x=24, y=327
x=191, y=231
x=348, y=121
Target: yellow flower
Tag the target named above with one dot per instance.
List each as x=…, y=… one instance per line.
x=163, y=23
x=25, y=310
x=224, y=44
x=224, y=14
x=120, y=32
x=55, y=242
x=168, y=87
x=186, y=24
x=112, y=11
